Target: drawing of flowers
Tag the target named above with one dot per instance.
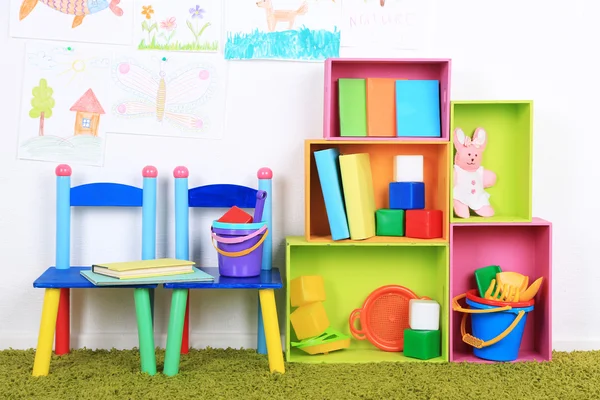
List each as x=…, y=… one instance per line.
x=168, y=25
x=148, y=25
x=197, y=14
x=147, y=11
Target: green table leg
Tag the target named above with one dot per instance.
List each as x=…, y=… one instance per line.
x=145, y=332
x=175, y=331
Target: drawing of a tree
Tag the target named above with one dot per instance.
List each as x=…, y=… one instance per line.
x=42, y=103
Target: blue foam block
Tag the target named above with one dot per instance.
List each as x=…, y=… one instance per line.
x=418, y=108
x=407, y=195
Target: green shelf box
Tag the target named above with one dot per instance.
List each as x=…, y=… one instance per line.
x=509, y=152
x=350, y=273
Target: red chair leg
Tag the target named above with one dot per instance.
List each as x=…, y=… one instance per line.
x=185, y=340
x=63, y=324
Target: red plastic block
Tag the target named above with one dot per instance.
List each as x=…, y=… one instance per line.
x=424, y=224
x=236, y=215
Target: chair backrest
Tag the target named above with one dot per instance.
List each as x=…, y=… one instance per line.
x=103, y=194
x=219, y=196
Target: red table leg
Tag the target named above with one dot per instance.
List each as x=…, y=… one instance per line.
x=63, y=323
x=185, y=340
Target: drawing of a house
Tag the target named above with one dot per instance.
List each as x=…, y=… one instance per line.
x=88, y=110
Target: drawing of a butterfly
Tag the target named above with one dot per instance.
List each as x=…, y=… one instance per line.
x=166, y=98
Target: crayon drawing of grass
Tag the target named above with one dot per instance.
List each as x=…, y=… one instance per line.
x=206, y=46
x=300, y=44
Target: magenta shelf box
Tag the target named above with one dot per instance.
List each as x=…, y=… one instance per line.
x=524, y=247
x=400, y=68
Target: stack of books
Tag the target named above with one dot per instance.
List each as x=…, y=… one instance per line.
x=146, y=272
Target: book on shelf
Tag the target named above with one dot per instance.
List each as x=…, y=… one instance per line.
x=359, y=196
x=196, y=275
x=144, y=268
x=328, y=168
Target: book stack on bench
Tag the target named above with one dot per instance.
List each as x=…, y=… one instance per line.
x=145, y=272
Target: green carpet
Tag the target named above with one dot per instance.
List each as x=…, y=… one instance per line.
x=243, y=374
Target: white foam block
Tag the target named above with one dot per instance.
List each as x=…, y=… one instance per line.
x=408, y=168
x=424, y=315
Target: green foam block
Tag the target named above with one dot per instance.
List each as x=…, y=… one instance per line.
x=423, y=345
x=389, y=222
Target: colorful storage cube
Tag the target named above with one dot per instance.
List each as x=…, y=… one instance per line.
x=424, y=315
x=309, y=320
x=424, y=224
x=408, y=168
x=407, y=195
x=423, y=345
x=306, y=289
x=389, y=222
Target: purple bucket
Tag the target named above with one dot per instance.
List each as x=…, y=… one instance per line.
x=239, y=247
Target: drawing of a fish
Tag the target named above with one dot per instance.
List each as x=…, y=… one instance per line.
x=78, y=8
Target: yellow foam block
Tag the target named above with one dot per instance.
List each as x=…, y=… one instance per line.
x=359, y=194
x=309, y=320
x=306, y=289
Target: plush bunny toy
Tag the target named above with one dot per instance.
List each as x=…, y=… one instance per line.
x=470, y=178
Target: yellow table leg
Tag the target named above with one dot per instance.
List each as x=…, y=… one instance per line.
x=272, y=336
x=43, y=353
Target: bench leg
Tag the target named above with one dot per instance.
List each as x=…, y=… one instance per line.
x=175, y=331
x=143, y=310
x=261, y=346
x=185, y=338
x=272, y=335
x=63, y=324
x=43, y=353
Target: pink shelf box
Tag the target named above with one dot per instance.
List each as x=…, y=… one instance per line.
x=362, y=68
x=524, y=247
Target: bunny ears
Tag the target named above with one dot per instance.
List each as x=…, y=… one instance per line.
x=479, y=138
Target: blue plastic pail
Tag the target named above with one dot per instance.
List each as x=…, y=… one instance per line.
x=488, y=326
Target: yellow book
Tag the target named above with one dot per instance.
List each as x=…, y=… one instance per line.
x=359, y=195
x=144, y=268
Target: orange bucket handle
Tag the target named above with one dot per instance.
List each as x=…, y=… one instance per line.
x=459, y=308
x=472, y=340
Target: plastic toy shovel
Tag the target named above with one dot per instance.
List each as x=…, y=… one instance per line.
x=261, y=196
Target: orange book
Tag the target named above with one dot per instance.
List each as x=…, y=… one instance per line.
x=381, y=107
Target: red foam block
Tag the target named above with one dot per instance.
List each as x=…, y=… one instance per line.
x=424, y=224
x=236, y=215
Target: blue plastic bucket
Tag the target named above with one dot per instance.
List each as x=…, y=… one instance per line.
x=487, y=326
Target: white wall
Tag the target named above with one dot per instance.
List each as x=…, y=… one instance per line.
x=543, y=50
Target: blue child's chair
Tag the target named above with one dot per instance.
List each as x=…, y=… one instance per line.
x=59, y=279
x=223, y=196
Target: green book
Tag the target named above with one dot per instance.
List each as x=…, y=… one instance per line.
x=103, y=280
x=353, y=106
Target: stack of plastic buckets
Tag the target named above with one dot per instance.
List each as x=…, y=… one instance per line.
x=240, y=245
x=497, y=326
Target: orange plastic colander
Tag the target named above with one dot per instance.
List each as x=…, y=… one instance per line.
x=384, y=317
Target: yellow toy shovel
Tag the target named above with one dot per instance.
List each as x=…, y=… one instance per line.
x=515, y=292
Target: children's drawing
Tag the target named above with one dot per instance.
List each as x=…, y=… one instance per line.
x=42, y=103
x=302, y=30
x=78, y=8
x=179, y=95
x=88, y=110
x=396, y=24
x=178, y=25
x=62, y=105
x=97, y=21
